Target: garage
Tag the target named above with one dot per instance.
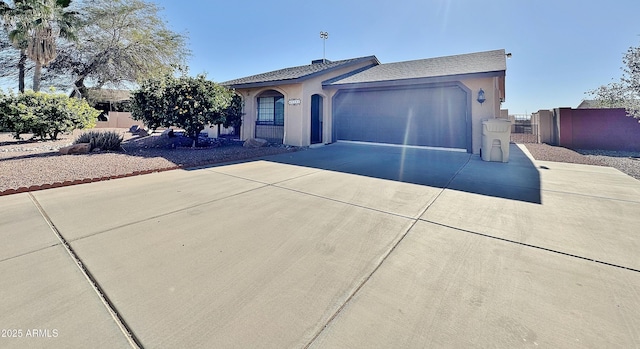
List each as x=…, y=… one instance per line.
x=433, y=116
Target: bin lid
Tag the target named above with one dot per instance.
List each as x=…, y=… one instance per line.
x=496, y=125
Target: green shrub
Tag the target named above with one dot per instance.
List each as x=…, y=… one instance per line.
x=45, y=115
x=108, y=140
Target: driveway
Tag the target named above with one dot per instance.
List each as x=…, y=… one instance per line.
x=344, y=246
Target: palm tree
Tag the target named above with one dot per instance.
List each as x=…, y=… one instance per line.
x=17, y=33
x=35, y=26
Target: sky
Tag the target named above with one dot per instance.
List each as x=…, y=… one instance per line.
x=561, y=48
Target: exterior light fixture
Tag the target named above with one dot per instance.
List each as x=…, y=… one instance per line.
x=481, y=98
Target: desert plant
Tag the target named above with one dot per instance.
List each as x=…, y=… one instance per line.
x=46, y=115
x=185, y=102
x=108, y=140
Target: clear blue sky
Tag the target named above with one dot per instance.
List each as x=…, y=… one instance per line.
x=561, y=48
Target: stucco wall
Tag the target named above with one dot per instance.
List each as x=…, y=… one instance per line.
x=118, y=120
x=544, y=121
x=609, y=129
x=297, y=118
x=488, y=110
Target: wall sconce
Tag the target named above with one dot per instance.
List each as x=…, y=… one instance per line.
x=481, y=98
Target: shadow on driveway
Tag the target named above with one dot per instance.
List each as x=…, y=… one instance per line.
x=516, y=180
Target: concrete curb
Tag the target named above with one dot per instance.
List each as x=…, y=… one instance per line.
x=84, y=181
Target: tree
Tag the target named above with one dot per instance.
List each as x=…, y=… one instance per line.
x=33, y=27
x=119, y=42
x=185, y=102
x=45, y=115
x=626, y=92
x=17, y=34
x=233, y=114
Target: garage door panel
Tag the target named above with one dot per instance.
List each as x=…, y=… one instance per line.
x=425, y=116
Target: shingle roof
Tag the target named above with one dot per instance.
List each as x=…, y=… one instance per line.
x=480, y=62
x=295, y=74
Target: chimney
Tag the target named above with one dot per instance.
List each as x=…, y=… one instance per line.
x=318, y=61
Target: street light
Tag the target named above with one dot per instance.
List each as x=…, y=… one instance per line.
x=324, y=36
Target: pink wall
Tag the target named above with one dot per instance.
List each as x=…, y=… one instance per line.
x=609, y=129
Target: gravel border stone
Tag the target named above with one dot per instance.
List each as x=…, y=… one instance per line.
x=625, y=161
x=29, y=166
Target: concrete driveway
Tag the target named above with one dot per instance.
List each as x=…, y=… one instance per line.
x=345, y=246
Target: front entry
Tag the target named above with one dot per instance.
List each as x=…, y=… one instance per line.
x=316, y=119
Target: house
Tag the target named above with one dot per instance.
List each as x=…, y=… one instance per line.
x=436, y=102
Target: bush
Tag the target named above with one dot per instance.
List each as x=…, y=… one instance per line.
x=108, y=140
x=185, y=102
x=44, y=115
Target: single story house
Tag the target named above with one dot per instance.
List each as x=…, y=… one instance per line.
x=436, y=102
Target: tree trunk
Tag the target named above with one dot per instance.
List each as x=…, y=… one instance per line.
x=36, y=77
x=21, y=68
x=80, y=90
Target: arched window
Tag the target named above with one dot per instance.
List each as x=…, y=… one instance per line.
x=271, y=108
x=270, y=120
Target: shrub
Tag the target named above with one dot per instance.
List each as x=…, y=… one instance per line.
x=45, y=115
x=185, y=102
x=108, y=140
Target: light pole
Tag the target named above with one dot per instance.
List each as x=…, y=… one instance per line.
x=324, y=36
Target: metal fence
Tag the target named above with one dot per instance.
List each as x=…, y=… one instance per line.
x=272, y=133
x=524, y=129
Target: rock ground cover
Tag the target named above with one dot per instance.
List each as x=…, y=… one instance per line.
x=26, y=164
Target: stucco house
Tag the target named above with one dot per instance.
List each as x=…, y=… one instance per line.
x=436, y=102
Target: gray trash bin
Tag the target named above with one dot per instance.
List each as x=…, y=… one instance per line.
x=496, y=135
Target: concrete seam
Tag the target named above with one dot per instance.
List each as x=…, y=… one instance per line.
x=384, y=258
x=534, y=246
x=366, y=279
x=266, y=183
x=590, y=196
x=168, y=213
x=111, y=309
x=28, y=253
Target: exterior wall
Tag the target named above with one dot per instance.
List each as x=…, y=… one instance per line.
x=118, y=120
x=490, y=109
x=297, y=117
x=544, y=121
x=607, y=129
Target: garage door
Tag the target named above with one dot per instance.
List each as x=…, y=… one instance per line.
x=435, y=117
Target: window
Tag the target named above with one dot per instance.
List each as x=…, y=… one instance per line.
x=271, y=109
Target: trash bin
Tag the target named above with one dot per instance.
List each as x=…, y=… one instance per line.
x=496, y=134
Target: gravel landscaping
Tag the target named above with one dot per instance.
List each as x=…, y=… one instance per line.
x=627, y=162
x=38, y=165
x=25, y=164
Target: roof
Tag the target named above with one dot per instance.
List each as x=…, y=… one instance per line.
x=296, y=74
x=108, y=95
x=589, y=104
x=471, y=63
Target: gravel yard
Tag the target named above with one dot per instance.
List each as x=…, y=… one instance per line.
x=26, y=164
x=627, y=162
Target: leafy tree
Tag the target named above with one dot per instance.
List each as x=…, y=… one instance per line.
x=233, y=114
x=119, y=42
x=45, y=115
x=185, y=102
x=626, y=92
x=33, y=27
x=17, y=34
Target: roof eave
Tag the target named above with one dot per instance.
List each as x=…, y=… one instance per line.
x=415, y=81
x=304, y=77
